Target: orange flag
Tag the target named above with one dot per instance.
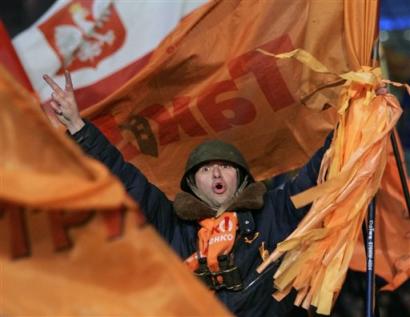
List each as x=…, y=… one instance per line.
x=207, y=79
x=49, y=191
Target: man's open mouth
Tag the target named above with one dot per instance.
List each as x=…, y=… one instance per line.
x=218, y=187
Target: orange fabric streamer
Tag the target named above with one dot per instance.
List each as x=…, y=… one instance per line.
x=216, y=237
x=318, y=252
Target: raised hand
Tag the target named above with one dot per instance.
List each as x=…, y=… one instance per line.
x=64, y=104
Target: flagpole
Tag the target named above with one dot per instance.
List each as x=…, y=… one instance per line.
x=370, y=260
x=369, y=235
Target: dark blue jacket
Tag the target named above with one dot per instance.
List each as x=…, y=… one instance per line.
x=272, y=224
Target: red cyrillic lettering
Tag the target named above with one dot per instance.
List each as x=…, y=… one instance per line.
x=169, y=121
x=109, y=127
x=19, y=243
x=114, y=221
x=266, y=71
x=60, y=222
x=224, y=114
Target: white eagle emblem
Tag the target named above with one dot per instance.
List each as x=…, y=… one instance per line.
x=82, y=39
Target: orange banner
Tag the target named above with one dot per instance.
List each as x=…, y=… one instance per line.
x=208, y=79
x=59, y=211
x=136, y=274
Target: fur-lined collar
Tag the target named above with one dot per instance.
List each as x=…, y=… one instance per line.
x=189, y=207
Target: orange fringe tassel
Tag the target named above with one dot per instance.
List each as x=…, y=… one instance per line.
x=318, y=252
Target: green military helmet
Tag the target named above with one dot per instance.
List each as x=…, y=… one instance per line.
x=213, y=150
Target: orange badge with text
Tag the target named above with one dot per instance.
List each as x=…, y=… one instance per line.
x=216, y=237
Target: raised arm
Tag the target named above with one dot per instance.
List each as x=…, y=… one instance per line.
x=286, y=216
x=153, y=202
x=308, y=174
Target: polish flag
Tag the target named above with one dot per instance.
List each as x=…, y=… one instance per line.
x=103, y=43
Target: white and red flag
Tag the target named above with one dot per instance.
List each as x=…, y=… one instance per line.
x=102, y=42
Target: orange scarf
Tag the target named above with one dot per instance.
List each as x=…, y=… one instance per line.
x=216, y=237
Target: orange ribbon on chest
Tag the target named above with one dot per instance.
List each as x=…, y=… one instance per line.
x=215, y=237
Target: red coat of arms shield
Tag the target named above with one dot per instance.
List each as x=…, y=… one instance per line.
x=83, y=33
